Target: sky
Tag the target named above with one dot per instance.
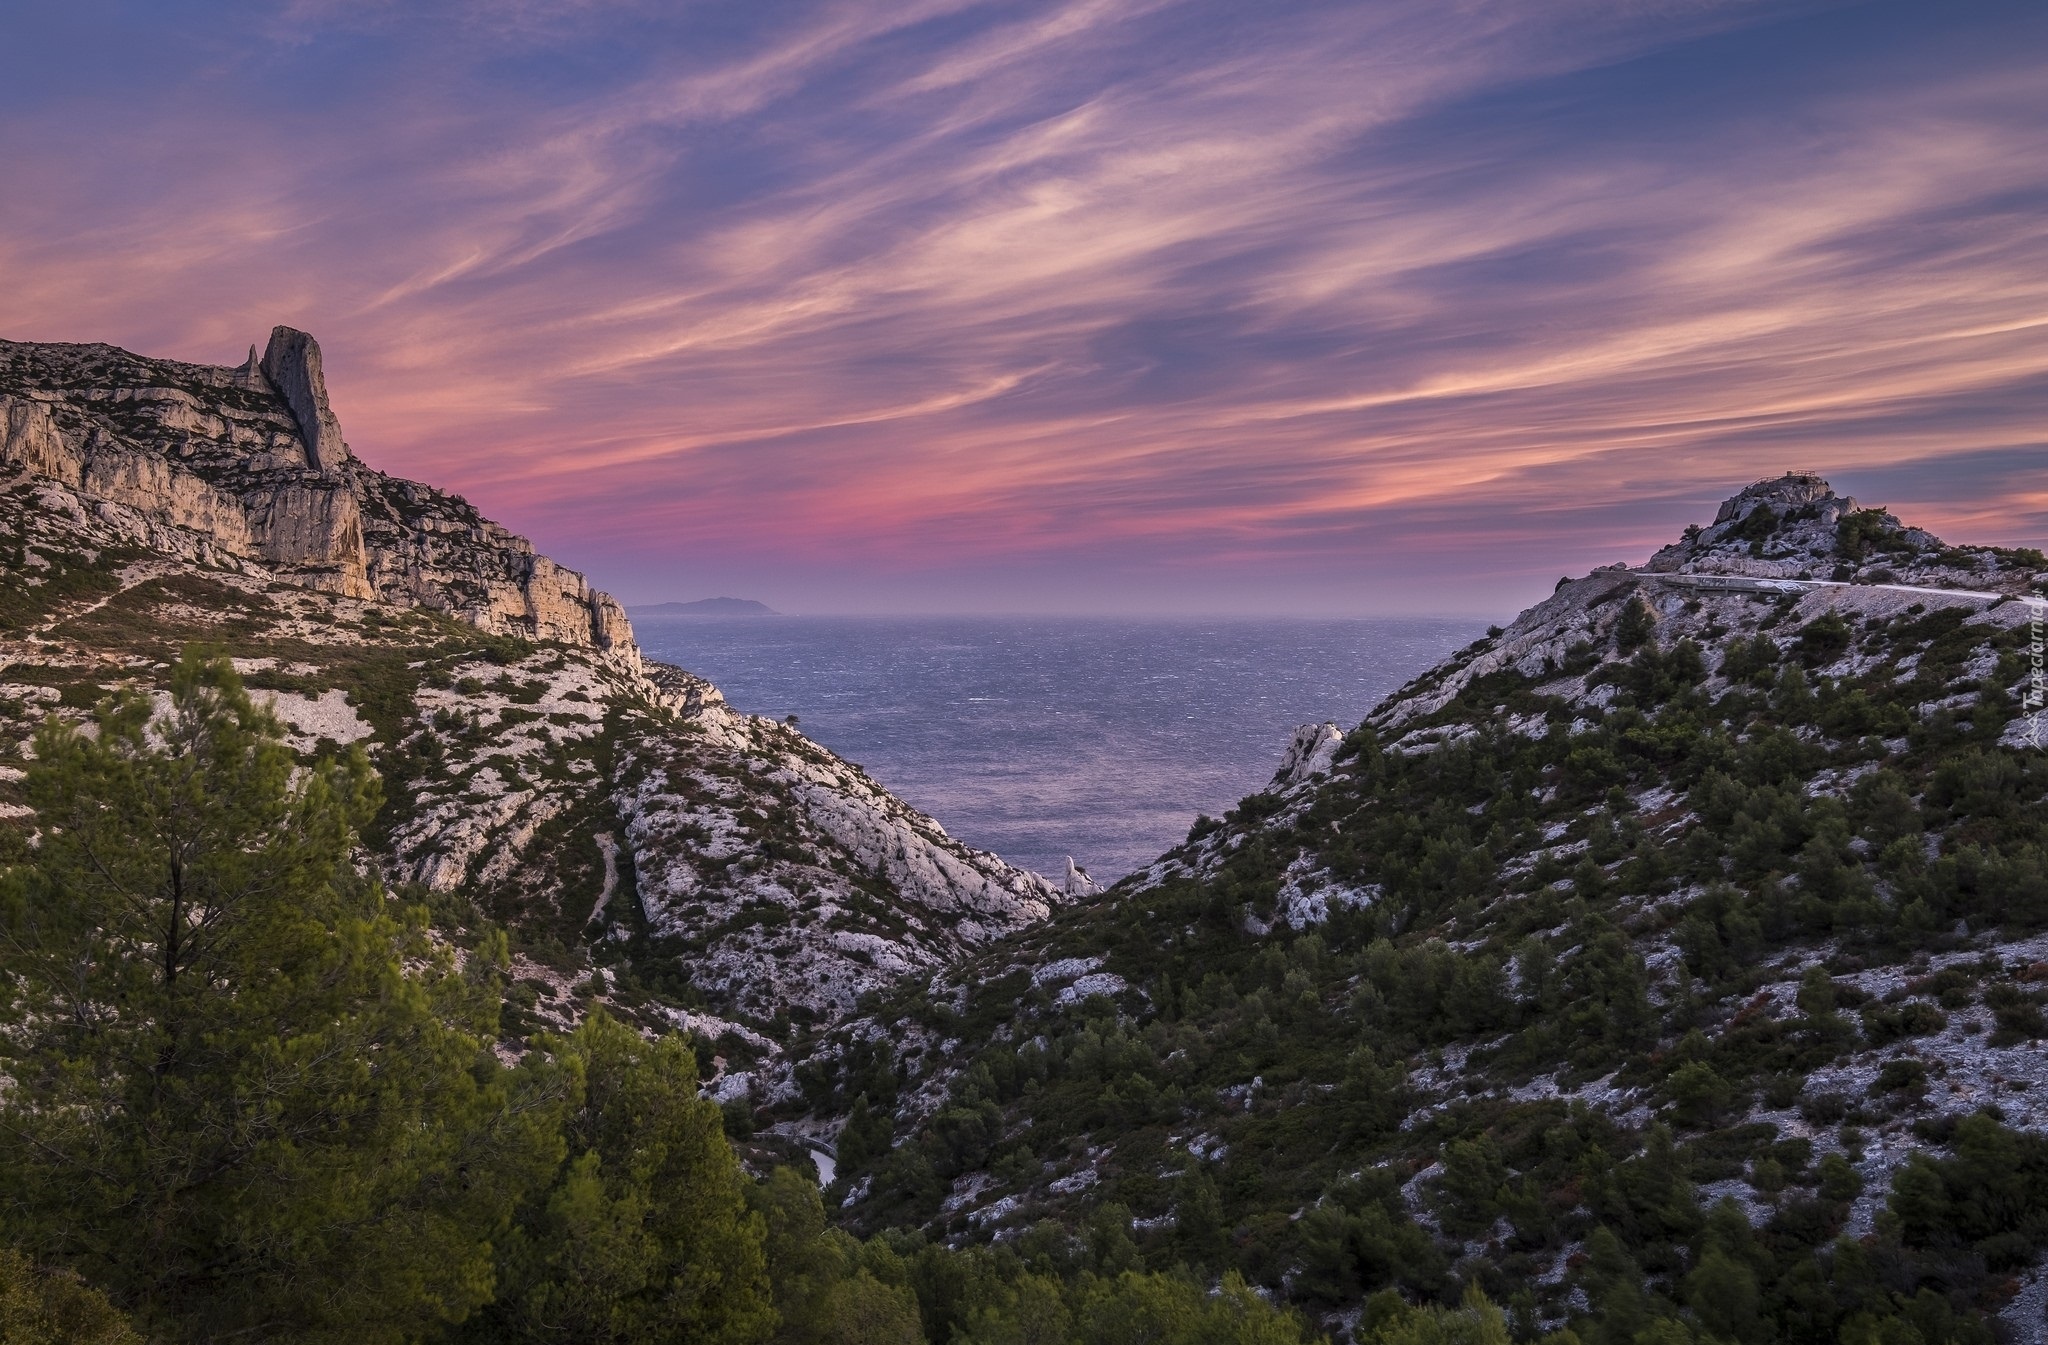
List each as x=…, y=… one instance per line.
x=1384, y=307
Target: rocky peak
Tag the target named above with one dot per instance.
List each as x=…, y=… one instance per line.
x=1793, y=490
x=292, y=364
x=1790, y=527
x=243, y=466
x=1789, y=540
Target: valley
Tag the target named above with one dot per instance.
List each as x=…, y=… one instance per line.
x=1668, y=964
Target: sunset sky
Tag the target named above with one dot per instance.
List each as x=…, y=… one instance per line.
x=1387, y=306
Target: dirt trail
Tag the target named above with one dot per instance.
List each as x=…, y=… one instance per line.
x=141, y=572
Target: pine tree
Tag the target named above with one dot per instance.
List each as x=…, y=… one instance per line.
x=1637, y=625
x=1198, y=1220
x=246, y=1096
x=645, y=1235
x=864, y=1138
x=53, y=1308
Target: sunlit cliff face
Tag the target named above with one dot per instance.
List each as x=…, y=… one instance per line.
x=1090, y=306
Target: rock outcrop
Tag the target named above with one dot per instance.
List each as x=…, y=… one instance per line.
x=292, y=364
x=29, y=439
x=251, y=459
x=1793, y=490
x=1792, y=527
x=1077, y=883
x=1308, y=754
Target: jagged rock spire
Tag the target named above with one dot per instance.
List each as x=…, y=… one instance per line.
x=292, y=364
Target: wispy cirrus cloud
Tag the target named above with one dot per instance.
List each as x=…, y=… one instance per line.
x=1083, y=302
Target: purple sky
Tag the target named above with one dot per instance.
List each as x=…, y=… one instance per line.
x=1107, y=305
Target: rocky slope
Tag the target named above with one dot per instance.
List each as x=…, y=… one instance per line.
x=1701, y=912
x=646, y=845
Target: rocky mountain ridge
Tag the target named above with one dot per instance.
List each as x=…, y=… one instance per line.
x=1700, y=907
x=647, y=846
x=247, y=466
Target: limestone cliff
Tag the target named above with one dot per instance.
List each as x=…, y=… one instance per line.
x=251, y=459
x=646, y=845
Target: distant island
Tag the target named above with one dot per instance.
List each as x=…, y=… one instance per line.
x=706, y=607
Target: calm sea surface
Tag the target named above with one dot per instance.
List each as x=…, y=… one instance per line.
x=1040, y=737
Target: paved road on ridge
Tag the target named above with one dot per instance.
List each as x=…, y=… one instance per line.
x=1747, y=584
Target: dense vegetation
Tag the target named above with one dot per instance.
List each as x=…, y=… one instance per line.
x=252, y=1095
x=1398, y=1098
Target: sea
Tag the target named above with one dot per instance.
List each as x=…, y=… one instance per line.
x=1041, y=738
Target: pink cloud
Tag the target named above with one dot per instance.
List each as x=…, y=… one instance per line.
x=1141, y=292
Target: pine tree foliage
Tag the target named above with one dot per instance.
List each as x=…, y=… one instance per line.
x=251, y=1097
x=247, y=1094
x=52, y=1307
x=645, y=1233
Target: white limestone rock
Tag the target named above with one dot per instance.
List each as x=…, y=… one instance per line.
x=292, y=364
x=1309, y=753
x=794, y=878
x=31, y=439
